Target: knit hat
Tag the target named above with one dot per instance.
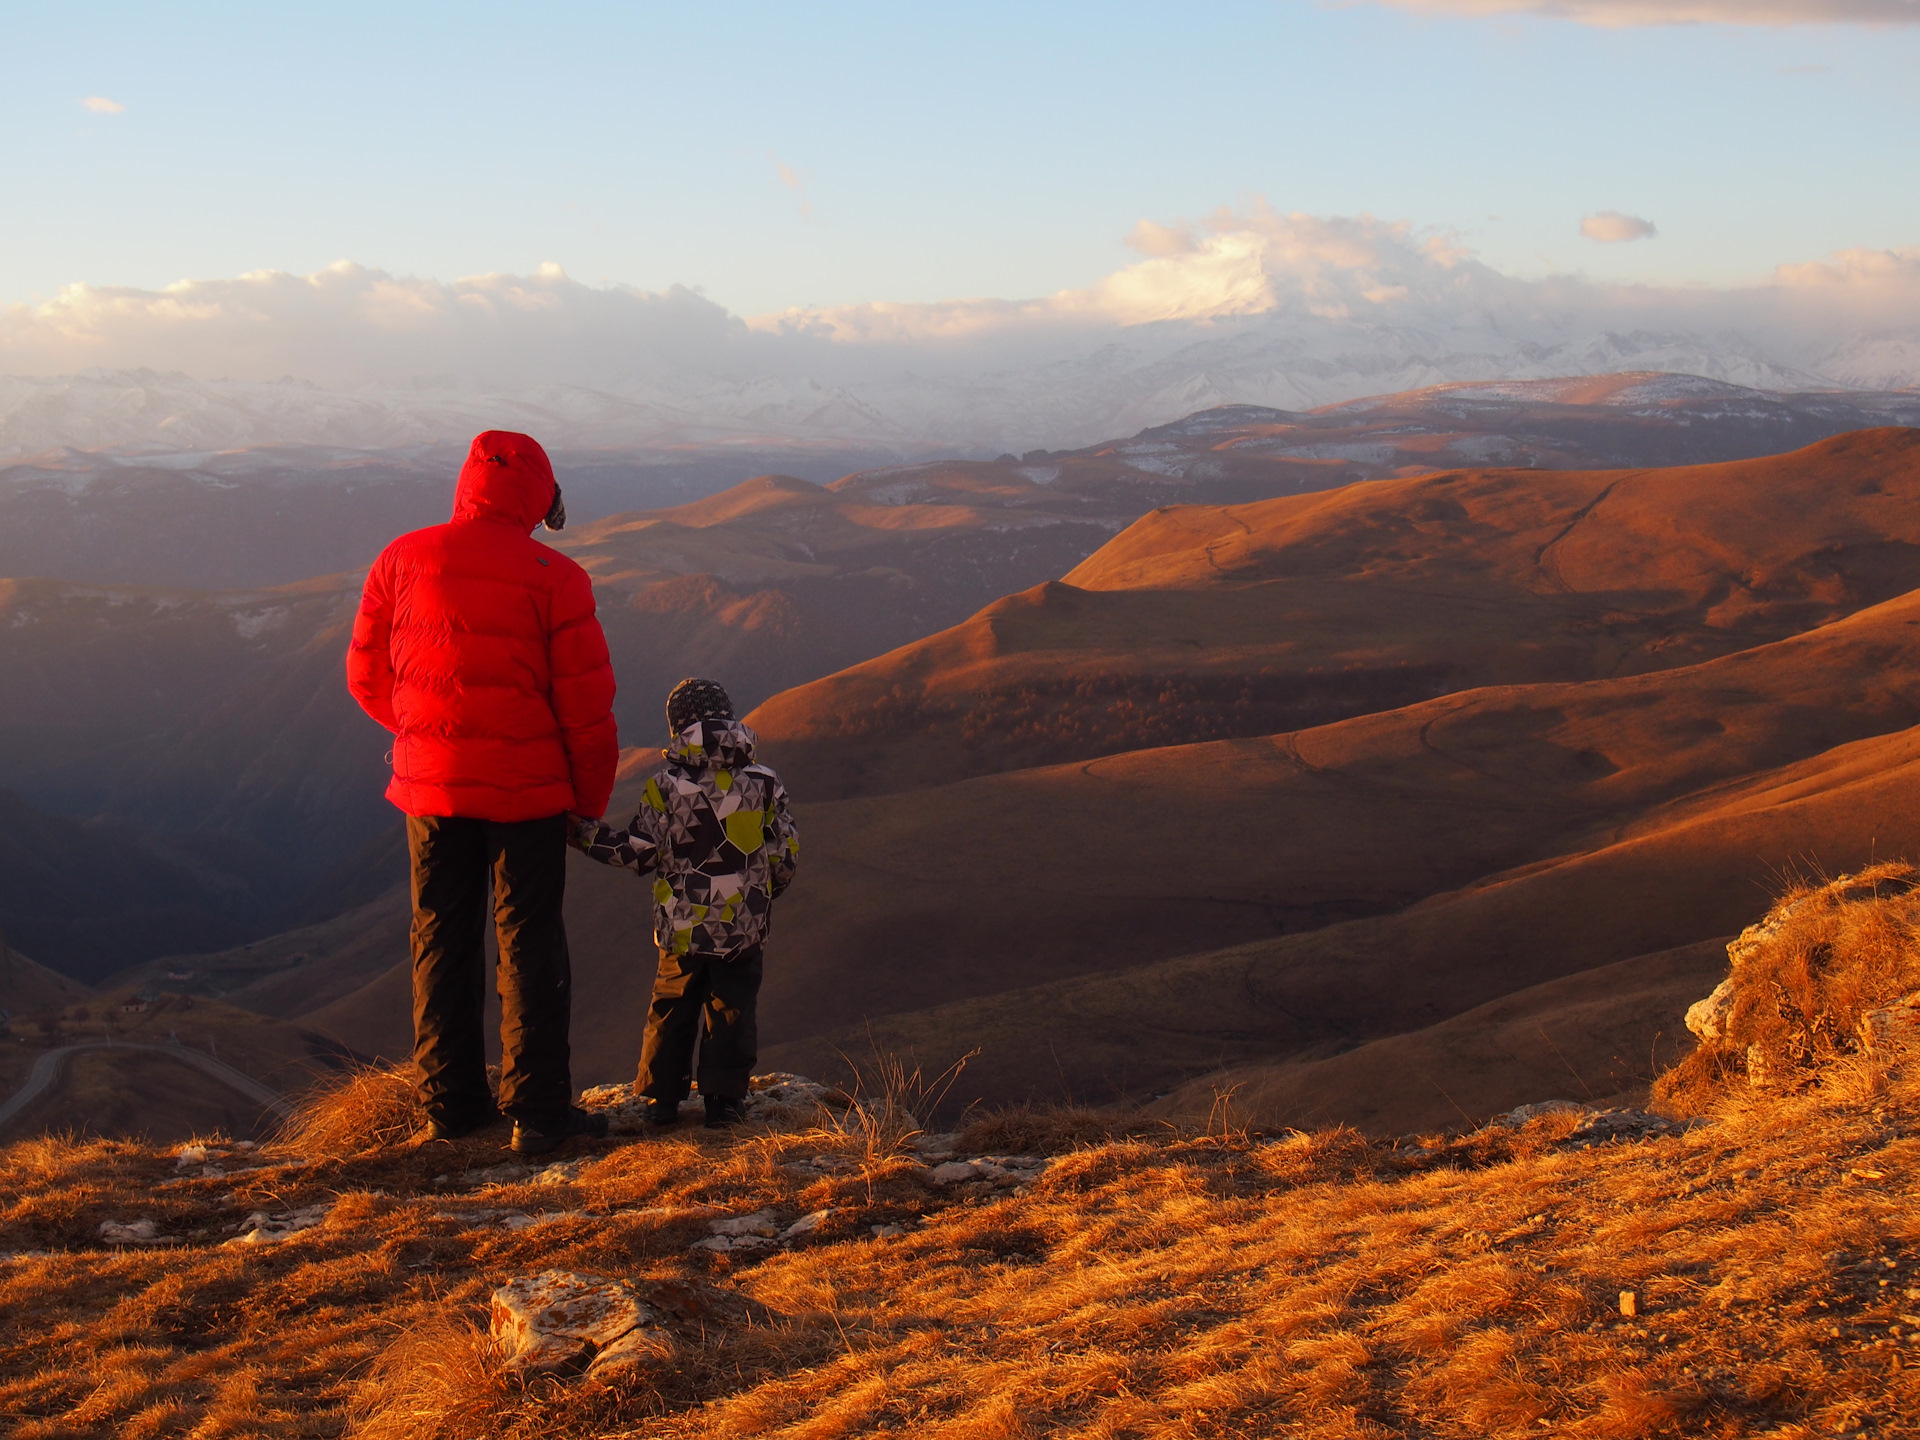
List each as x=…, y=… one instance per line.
x=693, y=700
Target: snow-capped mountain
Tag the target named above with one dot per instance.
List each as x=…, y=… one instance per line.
x=1144, y=376
x=1289, y=311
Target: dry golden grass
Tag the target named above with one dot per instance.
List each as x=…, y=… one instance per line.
x=441, y=1380
x=1157, y=1284
x=367, y=1107
x=1802, y=979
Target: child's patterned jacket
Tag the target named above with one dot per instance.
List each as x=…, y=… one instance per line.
x=716, y=828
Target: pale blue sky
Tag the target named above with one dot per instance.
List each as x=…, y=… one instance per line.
x=983, y=149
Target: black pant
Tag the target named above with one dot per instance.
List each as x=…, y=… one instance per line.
x=454, y=860
x=686, y=988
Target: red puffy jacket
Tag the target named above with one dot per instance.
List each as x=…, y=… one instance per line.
x=478, y=648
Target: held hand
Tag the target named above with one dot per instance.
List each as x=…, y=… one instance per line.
x=580, y=830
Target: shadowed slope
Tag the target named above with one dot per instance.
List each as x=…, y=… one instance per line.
x=1684, y=874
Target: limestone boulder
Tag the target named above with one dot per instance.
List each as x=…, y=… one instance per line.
x=1707, y=1018
x=778, y=1100
x=560, y=1321
x=1894, y=1030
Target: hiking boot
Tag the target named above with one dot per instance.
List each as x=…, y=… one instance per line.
x=538, y=1137
x=449, y=1127
x=724, y=1110
x=662, y=1113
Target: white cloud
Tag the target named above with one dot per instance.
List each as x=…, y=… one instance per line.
x=793, y=182
x=1151, y=239
x=1250, y=305
x=100, y=105
x=1683, y=12
x=350, y=325
x=1611, y=227
x=1230, y=263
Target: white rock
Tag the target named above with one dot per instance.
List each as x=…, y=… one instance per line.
x=559, y=1320
x=1708, y=1018
x=806, y=1224
x=886, y=1232
x=1520, y=1114
x=727, y=1243
x=626, y=1112
x=761, y=1223
x=956, y=1172
x=641, y=1343
x=135, y=1232
x=1894, y=1029
x=786, y=1101
x=779, y=1100
x=265, y=1228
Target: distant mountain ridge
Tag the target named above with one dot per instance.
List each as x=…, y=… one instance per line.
x=272, y=514
x=1073, y=391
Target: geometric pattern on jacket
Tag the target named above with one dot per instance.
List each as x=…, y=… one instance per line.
x=716, y=831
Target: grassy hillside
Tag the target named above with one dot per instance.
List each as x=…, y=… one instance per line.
x=1755, y=1271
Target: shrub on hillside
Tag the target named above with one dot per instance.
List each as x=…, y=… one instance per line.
x=1802, y=982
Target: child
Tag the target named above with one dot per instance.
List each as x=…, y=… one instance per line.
x=715, y=828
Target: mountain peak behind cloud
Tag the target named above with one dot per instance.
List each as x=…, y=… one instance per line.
x=1243, y=307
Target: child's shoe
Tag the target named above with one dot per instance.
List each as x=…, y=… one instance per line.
x=724, y=1110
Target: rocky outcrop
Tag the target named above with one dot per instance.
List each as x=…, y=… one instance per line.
x=1817, y=980
x=1707, y=1018
x=562, y=1322
x=1894, y=1030
x=777, y=1100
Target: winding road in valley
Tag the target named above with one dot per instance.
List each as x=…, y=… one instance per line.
x=46, y=1070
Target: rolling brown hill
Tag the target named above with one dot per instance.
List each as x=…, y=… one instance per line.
x=1203, y=622
x=1565, y=977
x=1462, y=849
x=1125, y=924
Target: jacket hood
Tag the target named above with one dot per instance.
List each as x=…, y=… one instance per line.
x=507, y=477
x=718, y=744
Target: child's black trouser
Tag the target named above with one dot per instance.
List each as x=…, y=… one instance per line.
x=456, y=863
x=685, y=989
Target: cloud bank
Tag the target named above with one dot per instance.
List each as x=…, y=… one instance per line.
x=100, y=105
x=1610, y=227
x=1619, y=13
x=1251, y=305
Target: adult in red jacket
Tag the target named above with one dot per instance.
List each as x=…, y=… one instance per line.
x=477, y=646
